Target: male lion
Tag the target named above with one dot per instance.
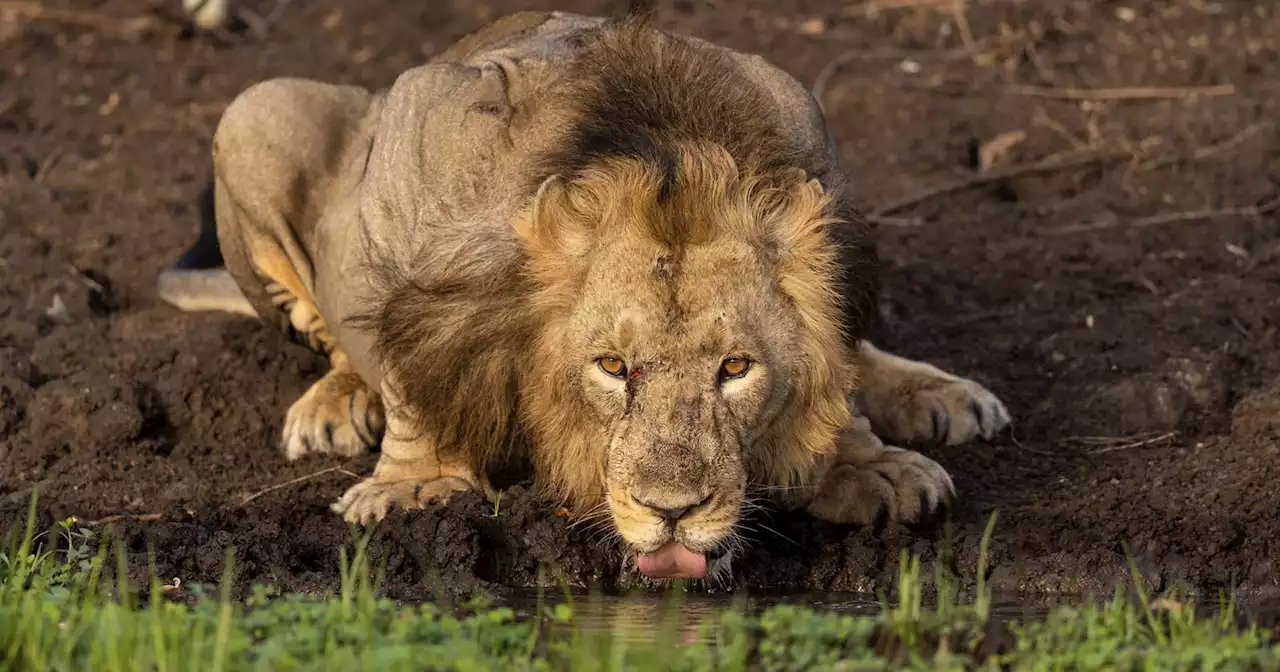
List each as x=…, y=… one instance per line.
x=624, y=254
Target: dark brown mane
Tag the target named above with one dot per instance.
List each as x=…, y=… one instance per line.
x=452, y=344
x=639, y=93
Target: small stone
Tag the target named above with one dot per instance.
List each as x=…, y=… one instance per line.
x=331, y=20
x=10, y=26
x=58, y=311
x=208, y=14
x=814, y=26
x=1158, y=401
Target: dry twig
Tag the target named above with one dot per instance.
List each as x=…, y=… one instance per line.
x=79, y=17
x=1124, y=93
x=1207, y=213
x=1134, y=444
x=1208, y=151
x=1056, y=162
x=1115, y=443
x=872, y=7
x=1244, y=331
x=1042, y=118
x=1167, y=218
x=47, y=165
x=145, y=517
x=996, y=148
x=296, y=481
x=1013, y=436
x=832, y=67
x=896, y=222
x=959, y=13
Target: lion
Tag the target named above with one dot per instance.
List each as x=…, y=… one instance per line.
x=624, y=255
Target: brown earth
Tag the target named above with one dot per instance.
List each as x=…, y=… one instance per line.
x=1078, y=294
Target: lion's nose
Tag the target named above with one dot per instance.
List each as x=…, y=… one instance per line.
x=671, y=509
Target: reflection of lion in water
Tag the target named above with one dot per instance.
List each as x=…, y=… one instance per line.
x=627, y=254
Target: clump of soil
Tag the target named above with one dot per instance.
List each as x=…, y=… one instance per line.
x=1124, y=308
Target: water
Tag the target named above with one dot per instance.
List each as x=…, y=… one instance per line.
x=644, y=615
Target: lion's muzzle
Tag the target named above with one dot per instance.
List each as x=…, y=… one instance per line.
x=674, y=512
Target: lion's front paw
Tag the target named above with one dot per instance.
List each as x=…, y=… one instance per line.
x=371, y=499
x=949, y=412
x=338, y=415
x=905, y=483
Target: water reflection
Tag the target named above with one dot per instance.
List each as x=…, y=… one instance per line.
x=647, y=616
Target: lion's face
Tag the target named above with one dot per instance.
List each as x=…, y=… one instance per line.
x=683, y=362
x=690, y=344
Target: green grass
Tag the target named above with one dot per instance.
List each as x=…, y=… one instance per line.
x=64, y=610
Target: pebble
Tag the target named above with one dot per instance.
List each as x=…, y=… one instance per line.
x=208, y=14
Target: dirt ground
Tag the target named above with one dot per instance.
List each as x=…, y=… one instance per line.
x=1123, y=299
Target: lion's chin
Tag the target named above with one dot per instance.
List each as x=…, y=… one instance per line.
x=673, y=561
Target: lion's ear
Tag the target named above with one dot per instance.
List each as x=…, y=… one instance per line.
x=798, y=225
x=552, y=224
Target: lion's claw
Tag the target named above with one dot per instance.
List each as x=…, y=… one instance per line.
x=371, y=499
x=908, y=485
x=950, y=414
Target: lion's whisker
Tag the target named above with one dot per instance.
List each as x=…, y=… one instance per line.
x=781, y=488
x=597, y=530
x=758, y=526
x=590, y=519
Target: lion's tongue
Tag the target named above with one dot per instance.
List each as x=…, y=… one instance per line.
x=673, y=561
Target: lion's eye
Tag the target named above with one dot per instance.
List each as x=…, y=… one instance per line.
x=613, y=366
x=734, y=367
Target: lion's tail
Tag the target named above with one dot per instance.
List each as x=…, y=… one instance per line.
x=202, y=289
x=199, y=280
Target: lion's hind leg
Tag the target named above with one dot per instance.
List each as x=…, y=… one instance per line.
x=340, y=414
x=909, y=401
x=282, y=153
